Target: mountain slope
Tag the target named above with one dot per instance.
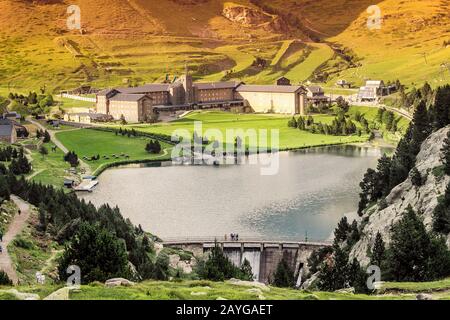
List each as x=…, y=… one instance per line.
x=219, y=39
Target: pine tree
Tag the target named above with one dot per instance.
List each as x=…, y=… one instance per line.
x=421, y=127
x=246, y=271
x=446, y=154
x=416, y=177
x=47, y=137
x=334, y=275
x=342, y=230
x=378, y=253
x=284, y=275
x=292, y=123
x=415, y=255
x=383, y=175
x=99, y=254
x=441, y=214
x=43, y=217
x=4, y=189
x=441, y=108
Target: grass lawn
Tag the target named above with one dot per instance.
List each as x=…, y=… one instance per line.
x=417, y=286
x=50, y=169
x=289, y=138
x=88, y=143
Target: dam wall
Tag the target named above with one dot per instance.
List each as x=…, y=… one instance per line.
x=263, y=256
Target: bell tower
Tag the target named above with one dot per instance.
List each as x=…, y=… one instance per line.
x=186, y=79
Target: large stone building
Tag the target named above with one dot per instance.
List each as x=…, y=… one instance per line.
x=8, y=131
x=137, y=103
x=273, y=99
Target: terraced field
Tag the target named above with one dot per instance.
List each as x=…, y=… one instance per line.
x=146, y=43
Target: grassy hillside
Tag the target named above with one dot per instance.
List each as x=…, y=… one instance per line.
x=207, y=290
x=137, y=41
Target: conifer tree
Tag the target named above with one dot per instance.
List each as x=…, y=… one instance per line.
x=284, y=275
x=446, y=154
x=378, y=252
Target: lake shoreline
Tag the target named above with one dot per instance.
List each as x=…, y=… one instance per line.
x=365, y=144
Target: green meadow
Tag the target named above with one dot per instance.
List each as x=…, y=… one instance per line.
x=289, y=138
x=208, y=290
x=89, y=143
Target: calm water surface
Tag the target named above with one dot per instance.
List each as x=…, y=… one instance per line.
x=313, y=190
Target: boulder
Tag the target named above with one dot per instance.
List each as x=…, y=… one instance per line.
x=310, y=282
x=253, y=284
x=423, y=296
x=346, y=291
x=119, y=282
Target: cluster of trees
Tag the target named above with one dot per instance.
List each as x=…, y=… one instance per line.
x=99, y=240
x=284, y=275
x=20, y=164
x=153, y=147
x=441, y=214
x=336, y=269
x=219, y=268
x=72, y=158
x=410, y=100
x=43, y=134
x=126, y=132
x=32, y=103
x=390, y=172
x=414, y=254
x=340, y=125
x=8, y=153
x=347, y=233
x=339, y=272
x=388, y=119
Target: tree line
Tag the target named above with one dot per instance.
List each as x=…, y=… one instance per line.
x=392, y=171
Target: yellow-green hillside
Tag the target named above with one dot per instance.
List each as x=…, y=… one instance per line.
x=139, y=41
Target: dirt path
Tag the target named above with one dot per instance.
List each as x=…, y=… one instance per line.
x=59, y=144
x=15, y=227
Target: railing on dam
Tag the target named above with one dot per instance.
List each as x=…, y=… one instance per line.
x=243, y=240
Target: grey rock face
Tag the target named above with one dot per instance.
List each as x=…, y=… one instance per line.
x=423, y=199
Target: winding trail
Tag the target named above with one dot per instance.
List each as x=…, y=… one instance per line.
x=16, y=226
x=59, y=144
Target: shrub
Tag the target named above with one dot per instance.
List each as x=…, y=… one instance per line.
x=4, y=279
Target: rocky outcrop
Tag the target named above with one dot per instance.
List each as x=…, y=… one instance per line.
x=119, y=282
x=423, y=199
x=252, y=284
x=251, y=17
x=186, y=266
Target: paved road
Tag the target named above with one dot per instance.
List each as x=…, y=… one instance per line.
x=59, y=144
x=15, y=227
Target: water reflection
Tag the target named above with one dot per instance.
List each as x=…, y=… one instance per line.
x=312, y=191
